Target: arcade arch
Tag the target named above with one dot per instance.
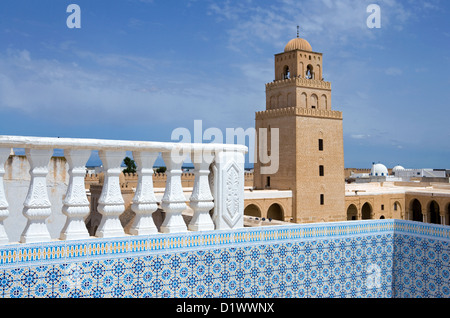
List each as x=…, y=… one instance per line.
x=352, y=212
x=433, y=212
x=252, y=210
x=366, y=211
x=416, y=209
x=275, y=212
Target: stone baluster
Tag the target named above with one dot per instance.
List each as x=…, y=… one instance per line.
x=173, y=201
x=144, y=202
x=76, y=204
x=37, y=206
x=111, y=204
x=201, y=200
x=228, y=190
x=4, y=212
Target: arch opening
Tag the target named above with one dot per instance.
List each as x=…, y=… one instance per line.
x=275, y=212
x=252, y=210
x=433, y=212
x=352, y=212
x=416, y=208
x=366, y=211
x=309, y=72
x=286, y=73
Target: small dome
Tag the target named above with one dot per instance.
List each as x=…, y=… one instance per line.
x=396, y=168
x=379, y=169
x=298, y=44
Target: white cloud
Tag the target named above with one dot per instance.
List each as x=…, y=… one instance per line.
x=330, y=23
x=393, y=71
x=116, y=88
x=360, y=136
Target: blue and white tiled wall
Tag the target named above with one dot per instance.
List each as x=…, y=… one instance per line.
x=382, y=258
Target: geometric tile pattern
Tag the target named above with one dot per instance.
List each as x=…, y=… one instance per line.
x=422, y=267
x=382, y=258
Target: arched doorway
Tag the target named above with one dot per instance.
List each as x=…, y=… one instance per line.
x=433, y=213
x=275, y=212
x=416, y=209
x=252, y=210
x=352, y=212
x=366, y=211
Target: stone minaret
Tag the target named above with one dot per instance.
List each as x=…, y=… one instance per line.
x=310, y=143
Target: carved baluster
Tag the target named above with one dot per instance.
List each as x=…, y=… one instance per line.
x=76, y=204
x=144, y=201
x=228, y=190
x=173, y=201
x=4, y=213
x=111, y=204
x=201, y=200
x=37, y=206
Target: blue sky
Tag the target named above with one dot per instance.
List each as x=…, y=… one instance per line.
x=138, y=69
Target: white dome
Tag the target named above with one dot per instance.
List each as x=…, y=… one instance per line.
x=396, y=168
x=379, y=169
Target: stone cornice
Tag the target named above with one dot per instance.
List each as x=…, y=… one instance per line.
x=291, y=111
x=299, y=81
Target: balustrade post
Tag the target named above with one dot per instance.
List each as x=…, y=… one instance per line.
x=228, y=183
x=173, y=201
x=111, y=204
x=37, y=206
x=76, y=204
x=144, y=202
x=4, y=212
x=201, y=200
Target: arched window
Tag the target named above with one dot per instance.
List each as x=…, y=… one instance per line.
x=309, y=72
x=304, y=100
x=286, y=73
x=313, y=101
x=323, y=102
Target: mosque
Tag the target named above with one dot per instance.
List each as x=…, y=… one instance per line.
x=311, y=183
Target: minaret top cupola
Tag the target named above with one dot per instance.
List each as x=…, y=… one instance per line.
x=298, y=60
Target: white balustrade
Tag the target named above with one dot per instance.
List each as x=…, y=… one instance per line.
x=201, y=200
x=111, y=204
x=173, y=201
x=76, y=203
x=144, y=201
x=37, y=206
x=224, y=195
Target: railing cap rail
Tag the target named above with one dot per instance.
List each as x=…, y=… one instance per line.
x=109, y=144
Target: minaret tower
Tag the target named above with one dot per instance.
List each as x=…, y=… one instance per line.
x=311, y=155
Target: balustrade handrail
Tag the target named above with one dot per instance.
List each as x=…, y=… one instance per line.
x=110, y=144
x=218, y=185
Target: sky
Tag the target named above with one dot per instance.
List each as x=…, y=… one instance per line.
x=140, y=69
